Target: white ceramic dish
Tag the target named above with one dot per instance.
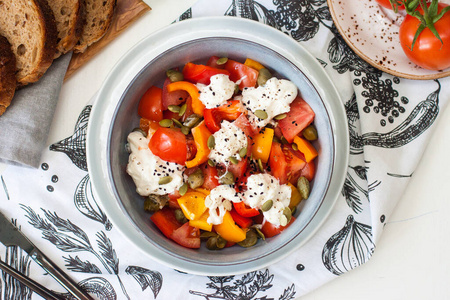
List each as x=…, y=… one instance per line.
x=114, y=115
x=372, y=32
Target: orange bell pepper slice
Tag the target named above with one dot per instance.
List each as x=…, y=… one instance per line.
x=193, y=91
x=229, y=230
x=193, y=205
x=262, y=144
x=201, y=135
x=253, y=64
x=202, y=222
x=306, y=148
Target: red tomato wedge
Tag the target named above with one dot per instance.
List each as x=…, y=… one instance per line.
x=187, y=236
x=309, y=170
x=212, y=62
x=211, y=177
x=269, y=230
x=295, y=163
x=177, y=97
x=150, y=105
x=169, y=144
x=229, y=111
x=277, y=163
x=241, y=73
x=165, y=220
x=200, y=73
x=297, y=119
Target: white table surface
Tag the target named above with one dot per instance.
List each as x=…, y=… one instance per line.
x=411, y=259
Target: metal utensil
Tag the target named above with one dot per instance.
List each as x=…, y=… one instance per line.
x=10, y=235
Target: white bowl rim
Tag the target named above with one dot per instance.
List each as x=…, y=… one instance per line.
x=158, y=42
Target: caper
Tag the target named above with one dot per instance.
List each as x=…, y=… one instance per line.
x=174, y=75
x=155, y=202
x=251, y=238
x=234, y=160
x=176, y=122
x=236, y=89
x=221, y=242
x=179, y=215
x=261, y=114
x=267, y=205
x=165, y=180
x=227, y=178
x=183, y=189
x=192, y=121
x=166, y=123
x=310, y=133
x=303, y=187
x=260, y=165
x=174, y=108
x=196, y=179
x=243, y=152
x=222, y=61
x=211, y=142
x=182, y=109
x=211, y=243
x=211, y=163
x=263, y=76
x=280, y=117
x=294, y=146
x=207, y=234
x=287, y=212
x=185, y=130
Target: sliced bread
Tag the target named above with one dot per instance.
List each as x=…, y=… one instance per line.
x=99, y=14
x=7, y=74
x=70, y=16
x=30, y=27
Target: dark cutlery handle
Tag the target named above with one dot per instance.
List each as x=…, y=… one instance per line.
x=33, y=285
x=59, y=275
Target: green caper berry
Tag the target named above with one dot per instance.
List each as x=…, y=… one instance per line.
x=155, y=202
x=251, y=238
x=166, y=123
x=243, y=152
x=263, y=76
x=227, y=179
x=280, y=117
x=303, y=187
x=220, y=242
x=174, y=75
x=222, y=61
x=211, y=142
x=177, y=123
x=207, y=234
x=294, y=146
x=211, y=163
x=185, y=130
x=196, y=179
x=267, y=205
x=261, y=114
x=310, y=133
x=183, y=189
x=165, y=180
x=260, y=165
x=236, y=89
x=211, y=243
x=234, y=160
x=182, y=109
x=179, y=215
x=174, y=108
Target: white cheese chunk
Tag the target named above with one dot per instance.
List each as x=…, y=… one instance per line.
x=220, y=89
x=219, y=201
x=228, y=141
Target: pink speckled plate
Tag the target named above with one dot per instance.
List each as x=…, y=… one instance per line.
x=372, y=32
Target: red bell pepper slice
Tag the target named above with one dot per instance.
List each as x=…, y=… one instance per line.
x=244, y=210
x=243, y=222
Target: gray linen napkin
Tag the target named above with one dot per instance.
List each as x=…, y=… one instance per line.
x=25, y=125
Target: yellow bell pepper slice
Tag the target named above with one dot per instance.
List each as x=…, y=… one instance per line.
x=306, y=148
x=229, y=230
x=192, y=204
x=202, y=222
x=193, y=91
x=262, y=144
x=253, y=64
x=296, y=198
x=203, y=191
x=201, y=135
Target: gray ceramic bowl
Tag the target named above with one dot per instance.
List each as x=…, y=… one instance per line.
x=114, y=115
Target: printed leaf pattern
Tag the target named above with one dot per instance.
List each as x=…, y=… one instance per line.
x=146, y=278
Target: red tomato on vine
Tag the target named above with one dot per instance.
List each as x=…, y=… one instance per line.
x=395, y=5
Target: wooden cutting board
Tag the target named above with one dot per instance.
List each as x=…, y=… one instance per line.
x=127, y=11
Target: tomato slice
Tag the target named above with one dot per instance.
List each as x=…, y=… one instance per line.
x=238, y=169
x=277, y=163
x=150, y=105
x=269, y=230
x=172, y=98
x=214, y=116
x=244, y=210
x=187, y=236
x=166, y=221
x=211, y=177
x=169, y=144
x=295, y=163
x=243, y=222
x=212, y=62
x=241, y=73
x=201, y=73
x=309, y=170
x=244, y=124
x=297, y=119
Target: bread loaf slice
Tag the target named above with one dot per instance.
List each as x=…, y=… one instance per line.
x=31, y=29
x=7, y=74
x=70, y=16
x=99, y=15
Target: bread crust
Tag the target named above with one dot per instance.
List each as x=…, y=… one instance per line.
x=89, y=35
x=7, y=74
